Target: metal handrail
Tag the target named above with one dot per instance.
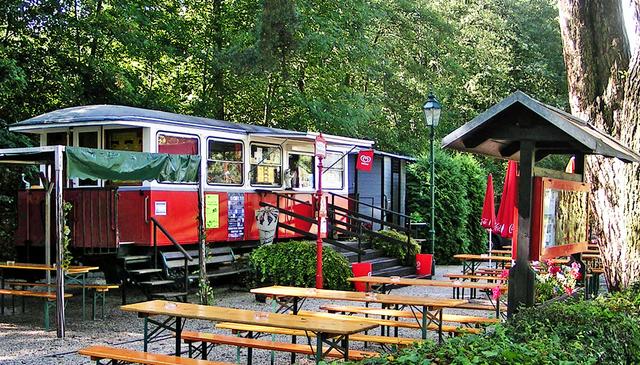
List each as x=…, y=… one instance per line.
x=187, y=257
x=370, y=205
x=173, y=241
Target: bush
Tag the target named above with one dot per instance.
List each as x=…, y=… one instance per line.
x=460, y=184
x=293, y=263
x=404, y=252
x=571, y=332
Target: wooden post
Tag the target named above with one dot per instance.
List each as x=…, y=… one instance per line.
x=47, y=226
x=202, y=238
x=59, y=239
x=521, y=276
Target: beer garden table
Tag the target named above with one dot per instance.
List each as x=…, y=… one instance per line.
x=330, y=331
x=471, y=262
x=387, y=283
x=429, y=309
x=75, y=274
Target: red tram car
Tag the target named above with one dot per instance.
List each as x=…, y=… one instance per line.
x=241, y=166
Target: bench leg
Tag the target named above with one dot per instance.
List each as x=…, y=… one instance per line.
x=146, y=334
x=319, y=348
x=46, y=315
x=249, y=350
x=104, y=294
x=93, y=305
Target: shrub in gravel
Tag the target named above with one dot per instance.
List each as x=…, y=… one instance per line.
x=294, y=263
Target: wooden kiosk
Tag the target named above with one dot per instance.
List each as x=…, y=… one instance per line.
x=523, y=129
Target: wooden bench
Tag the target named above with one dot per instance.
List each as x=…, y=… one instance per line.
x=97, y=353
x=385, y=340
x=391, y=323
x=191, y=337
x=49, y=300
x=98, y=291
x=462, y=319
x=215, y=256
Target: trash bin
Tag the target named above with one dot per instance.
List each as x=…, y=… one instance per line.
x=423, y=264
x=267, y=221
x=361, y=269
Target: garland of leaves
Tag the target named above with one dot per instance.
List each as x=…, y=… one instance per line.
x=66, y=236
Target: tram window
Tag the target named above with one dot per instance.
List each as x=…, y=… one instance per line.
x=266, y=165
x=58, y=138
x=176, y=145
x=125, y=139
x=89, y=140
x=225, y=163
x=301, y=171
x=129, y=139
x=333, y=176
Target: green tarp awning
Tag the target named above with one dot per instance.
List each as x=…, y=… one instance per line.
x=90, y=163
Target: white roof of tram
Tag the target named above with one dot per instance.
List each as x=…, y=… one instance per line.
x=117, y=114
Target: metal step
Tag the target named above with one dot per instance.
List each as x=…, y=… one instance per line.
x=156, y=282
x=383, y=263
x=395, y=271
x=223, y=271
x=144, y=271
x=353, y=244
x=132, y=259
x=168, y=295
x=370, y=254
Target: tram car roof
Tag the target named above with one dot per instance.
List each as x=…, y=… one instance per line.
x=117, y=114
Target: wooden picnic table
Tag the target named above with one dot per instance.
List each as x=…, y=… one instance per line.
x=427, y=310
x=471, y=262
x=331, y=331
x=387, y=283
x=75, y=274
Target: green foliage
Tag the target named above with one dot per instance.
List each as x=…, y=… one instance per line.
x=356, y=68
x=404, y=251
x=66, y=236
x=574, y=332
x=294, y=263
x=460, y=184
x=205, y=292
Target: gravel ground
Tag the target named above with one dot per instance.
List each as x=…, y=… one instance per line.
x=23, y=340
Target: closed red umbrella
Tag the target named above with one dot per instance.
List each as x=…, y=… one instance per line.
x=507, y=213
x=488, y=218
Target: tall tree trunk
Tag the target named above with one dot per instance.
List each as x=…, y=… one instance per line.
x=218, y=71
x=597, y=57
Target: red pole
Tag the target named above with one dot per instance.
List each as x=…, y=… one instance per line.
x=319, y=278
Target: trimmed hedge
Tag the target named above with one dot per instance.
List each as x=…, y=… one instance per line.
x=404, y=252
x=460, y=183
x=293, y=263
x=602, y=331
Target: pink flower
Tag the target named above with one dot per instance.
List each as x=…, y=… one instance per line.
x=554, y=270
x=495, y=292
x=576, y=275
x=568, y=290
x=548, y=262
x=504, y=274
x=575, y=266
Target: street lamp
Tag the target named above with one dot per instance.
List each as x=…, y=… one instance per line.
x=432, y=109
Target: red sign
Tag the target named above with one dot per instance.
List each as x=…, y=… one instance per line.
x=365, y=160
x=321, y=146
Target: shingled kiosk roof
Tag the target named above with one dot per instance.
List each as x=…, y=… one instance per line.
x=498, y=131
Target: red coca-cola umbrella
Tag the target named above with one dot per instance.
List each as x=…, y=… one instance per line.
x=488, y=218
x=506, y=219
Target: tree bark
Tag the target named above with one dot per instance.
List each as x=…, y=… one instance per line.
x=597, y=57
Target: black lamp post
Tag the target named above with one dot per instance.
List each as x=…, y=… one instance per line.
x=432, y=109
